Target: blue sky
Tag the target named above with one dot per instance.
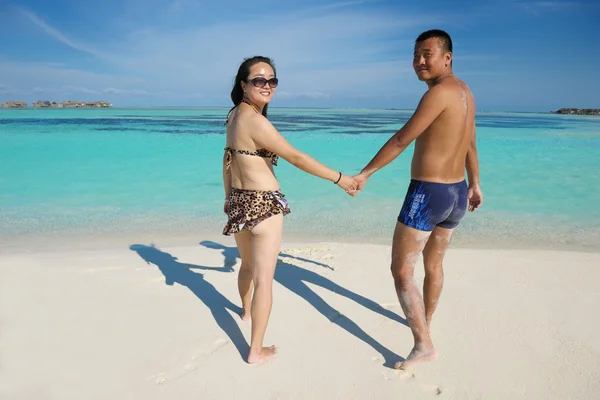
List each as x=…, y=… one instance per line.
x=515, y=55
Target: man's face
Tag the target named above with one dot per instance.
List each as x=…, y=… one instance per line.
x=430, y=61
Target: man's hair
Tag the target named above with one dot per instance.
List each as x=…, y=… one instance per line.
x=442, y=36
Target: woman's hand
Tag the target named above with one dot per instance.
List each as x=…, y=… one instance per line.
x=348, y=184
x=226, y=205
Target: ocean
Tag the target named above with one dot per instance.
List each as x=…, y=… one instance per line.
x=93, y=174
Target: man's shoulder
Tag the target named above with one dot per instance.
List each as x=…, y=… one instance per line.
x=441, y=93
x=449, y=89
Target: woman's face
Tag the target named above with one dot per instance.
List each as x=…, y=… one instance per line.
x=261, y=83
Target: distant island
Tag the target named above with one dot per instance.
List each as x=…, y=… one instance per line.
x=578, y=111
x=53, y=104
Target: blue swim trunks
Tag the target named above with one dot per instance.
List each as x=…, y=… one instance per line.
x=431, y=204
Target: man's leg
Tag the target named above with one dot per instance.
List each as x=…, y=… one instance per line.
x=408, y=243
x=433, y=257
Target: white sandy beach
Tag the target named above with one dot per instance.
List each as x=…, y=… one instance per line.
x=144, y=323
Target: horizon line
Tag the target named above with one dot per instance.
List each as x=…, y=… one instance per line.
x=271, y=107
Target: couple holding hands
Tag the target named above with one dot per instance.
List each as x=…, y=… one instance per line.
x=438, y=196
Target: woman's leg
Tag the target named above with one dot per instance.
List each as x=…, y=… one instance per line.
x=265, y=247
x=243, y=240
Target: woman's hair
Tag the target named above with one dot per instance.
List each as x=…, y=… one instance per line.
x=237, y=93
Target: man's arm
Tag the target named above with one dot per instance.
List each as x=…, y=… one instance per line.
x=472, y=165
x=472, y=162
x=430, y=107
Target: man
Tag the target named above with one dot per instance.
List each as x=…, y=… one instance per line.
x=443, y=127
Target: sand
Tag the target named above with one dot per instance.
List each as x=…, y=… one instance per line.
x=132, y=321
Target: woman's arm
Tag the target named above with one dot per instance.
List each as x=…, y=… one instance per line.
x=265, y=134
x=226, y=177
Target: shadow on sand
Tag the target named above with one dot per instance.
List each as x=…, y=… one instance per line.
x=295, y=279
x=176, y=272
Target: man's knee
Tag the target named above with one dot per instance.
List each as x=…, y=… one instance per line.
x=433, y=267
x=402, y=272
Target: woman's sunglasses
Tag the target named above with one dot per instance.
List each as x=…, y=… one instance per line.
x=261, y=82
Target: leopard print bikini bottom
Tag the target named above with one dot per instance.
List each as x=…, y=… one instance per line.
x=248, y=208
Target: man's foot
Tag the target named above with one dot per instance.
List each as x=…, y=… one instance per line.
x=419, y=354
x=266, y=354
x=245, y=315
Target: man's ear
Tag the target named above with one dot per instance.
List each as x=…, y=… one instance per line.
x=448, y=56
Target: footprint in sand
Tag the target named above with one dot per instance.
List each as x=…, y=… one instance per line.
x=409, y=376
x=162, y=377
x=159, y=378
x=400, y=373
x=434, y=389
x=405, y=375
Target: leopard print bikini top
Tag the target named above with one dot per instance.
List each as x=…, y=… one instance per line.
x=264, y=153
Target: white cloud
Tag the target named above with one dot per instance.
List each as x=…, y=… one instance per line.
x=476, y=57
x=125, y=91
x=554, y=4
x=538, y=7
x=340, y=5
x=58, y=35
x=325, y=52
x=78, y=89
x=306, y=95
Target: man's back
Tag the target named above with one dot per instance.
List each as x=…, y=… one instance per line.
x=441, y=150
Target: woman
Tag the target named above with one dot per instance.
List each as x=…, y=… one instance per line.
x=253, y=203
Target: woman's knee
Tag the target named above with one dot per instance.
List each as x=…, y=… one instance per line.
x=246, y=267
x=263, y=283
x=263, y=272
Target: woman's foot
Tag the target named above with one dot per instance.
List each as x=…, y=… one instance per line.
x=245, y=315
x=261, y=357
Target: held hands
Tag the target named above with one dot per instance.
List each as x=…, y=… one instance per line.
x=361, y=181
x=348, y=184
x=475, y=198
x=353, y=185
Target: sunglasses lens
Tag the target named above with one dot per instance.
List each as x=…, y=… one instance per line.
x=273, y=82
x=259, y=82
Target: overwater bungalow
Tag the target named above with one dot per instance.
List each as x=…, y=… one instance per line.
x=14, y=104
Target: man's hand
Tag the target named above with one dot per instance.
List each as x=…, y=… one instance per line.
x=361, y=181
x=475, y=198
x=348, y=184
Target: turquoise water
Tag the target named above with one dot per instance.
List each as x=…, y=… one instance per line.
x=97, y=173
